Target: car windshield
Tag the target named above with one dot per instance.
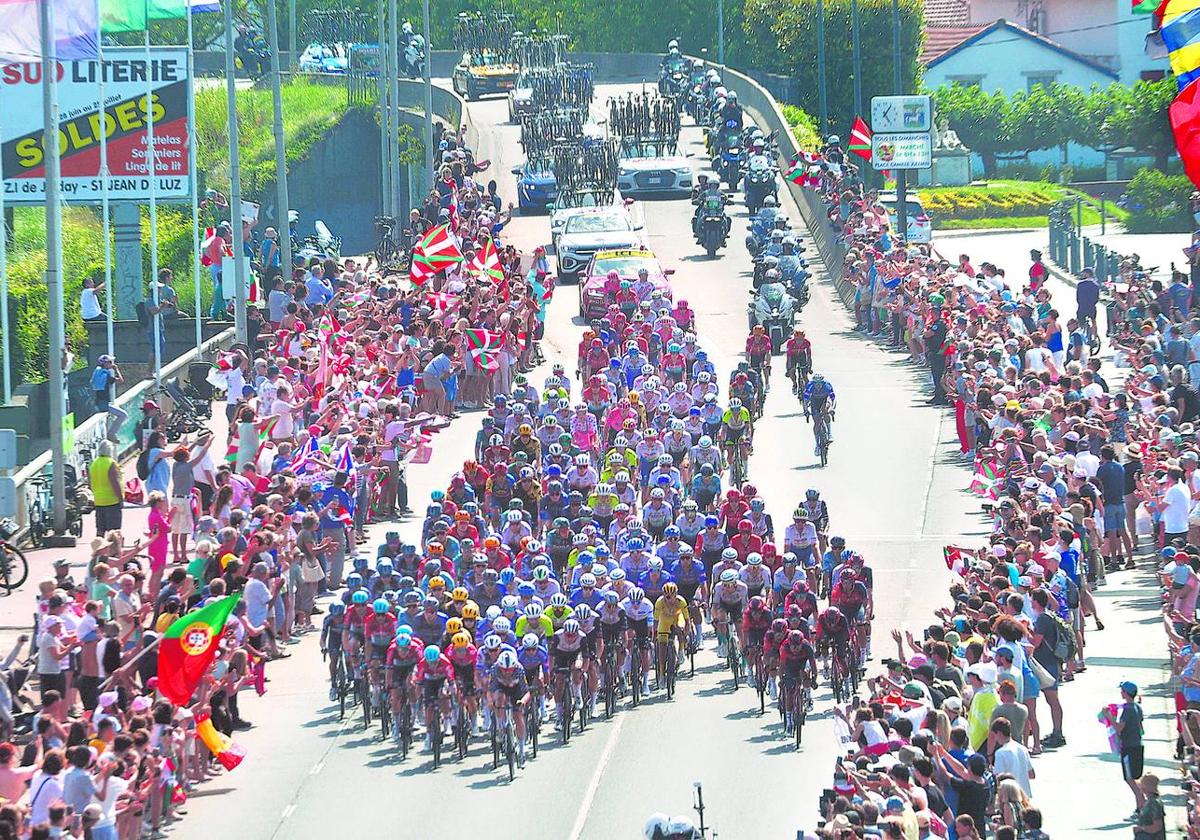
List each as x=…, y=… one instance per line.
x=538, y=168
x=773, y=293
x=914, y=209
x=597, y=223
x=630, y=149
x=626, y=266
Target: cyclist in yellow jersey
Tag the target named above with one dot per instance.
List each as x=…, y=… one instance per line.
x=735, y=423
x=670, y=613
x=535, y=621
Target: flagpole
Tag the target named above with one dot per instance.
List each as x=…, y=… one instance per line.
x=4, y=290
x=104, y=222
x=152, y=168
x=235, y=182
x=191, y=129
x=54, y=284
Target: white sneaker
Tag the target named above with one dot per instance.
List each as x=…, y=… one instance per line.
x=332, y=692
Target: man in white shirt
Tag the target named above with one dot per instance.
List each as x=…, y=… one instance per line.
x=89, y=300
x=1010, y=756
x=1175, y=505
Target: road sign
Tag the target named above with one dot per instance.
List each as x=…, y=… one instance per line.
x=894, y=114
x=901, y=151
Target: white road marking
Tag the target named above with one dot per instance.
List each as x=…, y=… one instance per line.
x=288, y=811
x=589, y=795
x=317, y=768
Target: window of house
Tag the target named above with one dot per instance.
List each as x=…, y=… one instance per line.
x=1032, y=80
x=1153, y=75
x=966, y=81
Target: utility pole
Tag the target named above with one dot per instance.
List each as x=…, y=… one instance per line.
x=384, y=118
x=394, y=122
x=721, y=32
x=295, y=55
x=898, y=81
x=428, y=97
x=235, y=184
x=822, y=103
x=54, y=280
x=284, y=240
x=855, y=37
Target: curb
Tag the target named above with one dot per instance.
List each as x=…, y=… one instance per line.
x=962, y=233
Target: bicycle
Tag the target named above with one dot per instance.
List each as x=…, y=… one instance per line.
x=39, y=516
x=386, y=248
x=565, y=709
x=734, y=655
x=14, y=568
x=435, y=731
x=533, y=716
x=840, y=676
x=1092, y=334
x=404, y=722
x=611, y=677
x=341, y=681
x=585, y=696
x=760, y=678
x=821, y=435
x=635, y=668
x=508, y=741
x=462, y=730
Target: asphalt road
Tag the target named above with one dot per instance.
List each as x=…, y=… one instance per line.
x=894, y=488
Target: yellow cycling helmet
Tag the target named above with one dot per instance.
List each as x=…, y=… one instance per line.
x=460, y=594
x=461, y=639
x=470, y=611
x=670, y=588
x=437, y=582
x=454, y=625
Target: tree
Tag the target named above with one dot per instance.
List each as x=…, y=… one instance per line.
x=781, y=37
x=1139, y=118
x=1034, y=120
x=980, y=119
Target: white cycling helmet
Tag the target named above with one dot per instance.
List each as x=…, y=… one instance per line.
x=656, y=827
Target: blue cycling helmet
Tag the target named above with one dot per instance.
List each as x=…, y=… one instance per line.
x=711, y=522
x=671, y=531
x=507, y=576
x=526, y=589
x=360, y=563
x=337, y=608
x=432, y=653
x=847, y=554
x=359, y=597
x=437, y=495
x=636, y=544
x=354, y=580
x=404, y=637
x=379, y=605
x=602, y=550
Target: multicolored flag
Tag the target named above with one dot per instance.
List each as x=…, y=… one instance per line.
x=484, y=349
x=76, y=30
x=955, y=558
x=224, y=750
x=1181, y=36
x=437, y=251
x=302, y=459
x=860, y=139
x=1184, y=115
x=1145, y=7
x=188, y=647
x=328, y=327
x=487, y=261
x=796, y=171
x=987, y=478
x=441, y=301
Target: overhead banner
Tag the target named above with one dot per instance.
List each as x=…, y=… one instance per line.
x=126, y=113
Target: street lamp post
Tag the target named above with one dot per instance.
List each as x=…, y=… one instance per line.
x=428, y=95
x=857, y=42
x=898, y=82
x=235, y=184
x=822, y=103
x=281, y=179
x=721, y=32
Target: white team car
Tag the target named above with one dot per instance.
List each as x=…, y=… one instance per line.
x=645, y=170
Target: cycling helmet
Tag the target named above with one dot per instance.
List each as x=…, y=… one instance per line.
x=432, y=653
x=493, y=642
x=470, y=612
x=735, y=404
x=587, y=581
x=757, y=603
x=558, y=599
x=670, y=588
x=361, y=563
x=453, y=625
x=541, y=573
x=795, y=638
x=412, y=599
x=534, y=611
x=655, y=564
x=711, y=521
x=754, y=558
x=729, y=576
x=794, y=611
x=656, y=827
x=769, y=201
x=636, y=594
x=745, y=526
x=509, y=603
x=460, y=595
x=502, y=626
x=359, y=597
x=617, y=574
x=729, y=554
x=571, y=627
x=583, y=612
x=611, y=597
x=837, y=542
x=354, y=580
x=671, y=532
x=507, y=661
x=337, y=608
x=460, y=639
x=526, y=589
x=530, y=641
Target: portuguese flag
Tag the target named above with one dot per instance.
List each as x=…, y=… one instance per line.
x=436, y=252
x=225, y=751
x=860, y=139
x=1145, y=7
x=189, y=647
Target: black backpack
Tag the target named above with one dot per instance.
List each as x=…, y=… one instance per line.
x=143, y=465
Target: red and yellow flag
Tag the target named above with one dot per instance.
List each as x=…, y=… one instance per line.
x=188, y=648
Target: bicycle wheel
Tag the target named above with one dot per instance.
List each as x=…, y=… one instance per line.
x=610, y=685
x=462, y=734
x=760, y=684
x=339, y=687
x=798, y=716
x=533, y=723
x=37, y=525
x=635, y=676
x=435, y=736
x=385, y=717
x=406, y=727
x=510, y=747
x=364, y=696
x=494, y=730
x=14, y=568
x=566, y=711
x=672, y=657
x=735, y=662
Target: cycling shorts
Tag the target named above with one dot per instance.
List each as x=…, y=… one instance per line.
x=611, y=633
x=402, y=672
x=513, y=692
x=377, y=650
x=431, y=688
x=641, y=629
x=754, y=637
x=466, y=678
x=564, y=659
x=732, y=610
x=733, y=434
x=756, y=360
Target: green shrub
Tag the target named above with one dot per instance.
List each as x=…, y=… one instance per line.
x=1158, y=203
x=803, y=125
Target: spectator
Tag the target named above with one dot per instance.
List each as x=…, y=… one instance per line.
x=1129, y=729
x=108, y=489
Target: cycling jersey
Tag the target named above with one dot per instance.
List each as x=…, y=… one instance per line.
x=736, y=420
x=542, y=627
x=832, y=624
x=380, y=630
x=794, y=661
x=668, y=613
x=851, y=601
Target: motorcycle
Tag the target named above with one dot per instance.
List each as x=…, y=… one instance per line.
x=714, y=225
x=251, y=55
x=760, y=183
x=775, y=310
x=730, y=165
x=412, y=59
x=758, y=240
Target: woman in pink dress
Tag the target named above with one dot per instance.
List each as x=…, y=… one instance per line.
x=160, y=529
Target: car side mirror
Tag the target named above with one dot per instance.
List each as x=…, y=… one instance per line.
x=516, y=170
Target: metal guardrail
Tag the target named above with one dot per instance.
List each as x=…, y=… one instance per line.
x=92, y=431
x=1073, y=251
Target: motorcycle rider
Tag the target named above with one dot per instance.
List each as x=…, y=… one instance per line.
x=731, y=112
x=791, y=269
x=673, y=58
x=705, y=190
x=412, y=50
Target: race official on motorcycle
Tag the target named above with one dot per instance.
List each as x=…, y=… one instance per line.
x=708, y=189
x=673, y=56
x=731, y=112
x=791, y=268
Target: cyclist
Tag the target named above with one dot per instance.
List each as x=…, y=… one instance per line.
x=462, y=656
x=729, y=598
x=672, y=616
x=756, y=576
x=356, y=614
x=332, y=630
x=758, y=350
x=638, y=612
x=818, y=515
x=801, y=539
x=405, y=651
x=509, y=689
x=833, y=634
x=688, y=573
x=568, y=643
x=755, y=623
x=796, y=661
x=851, y=596
x=820, y=402
x=799, y=360
x=435, y=675
x=736, y=423
x=830, y=559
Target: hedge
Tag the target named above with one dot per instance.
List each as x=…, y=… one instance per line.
x=1158, y=203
